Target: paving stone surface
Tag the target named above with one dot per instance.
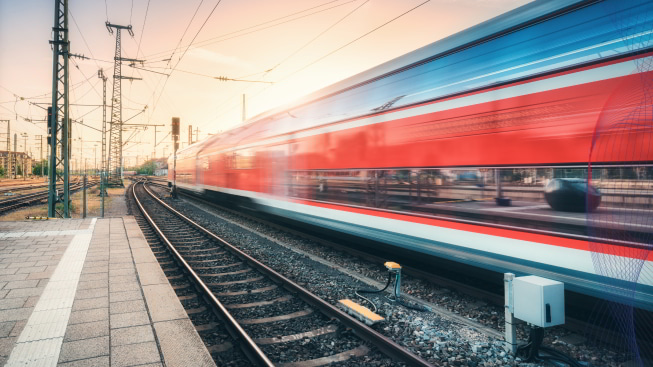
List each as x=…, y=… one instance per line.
x=122, y=309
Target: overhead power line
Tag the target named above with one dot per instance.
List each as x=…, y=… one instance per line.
x=40, y=96
x=299, y=50
x=83, y=38
x=197, y=34
x=85, y=77
x=220, y=78
x=345, y=45
x=140, y=39
x=186, y=30
x=148, y=70
x=182, y=55
x=318, y=36
x=225, y=79
x=352, y=41
x=222, y=38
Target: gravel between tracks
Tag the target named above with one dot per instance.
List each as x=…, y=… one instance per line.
x=438, y=339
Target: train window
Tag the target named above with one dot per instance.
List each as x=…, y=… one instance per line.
x=469, y=194
x=242, y=159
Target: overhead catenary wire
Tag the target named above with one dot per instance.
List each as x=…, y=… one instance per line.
x=83, y=38
x=342, y=47
x=22, y=117
x=140, y=39
x=318, y=36
x=197, y=34
x=85, y=77
x=221, y=38
x=185, y=30
x=221, y=78
x=155, y=100
x=183, y=54
x=352, y=41
x=40, y=96
x=299, y=50
x=156, y=103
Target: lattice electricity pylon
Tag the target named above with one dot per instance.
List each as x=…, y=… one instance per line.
x=103, y=175
x=115, y=136
x=59, y=123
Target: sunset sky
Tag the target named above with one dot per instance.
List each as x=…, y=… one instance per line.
x=259, y=40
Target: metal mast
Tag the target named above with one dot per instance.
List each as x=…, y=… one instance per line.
x=115, y=136
x=59, y=122
x=103, y=175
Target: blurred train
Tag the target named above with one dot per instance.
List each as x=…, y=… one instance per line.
x=413, y=153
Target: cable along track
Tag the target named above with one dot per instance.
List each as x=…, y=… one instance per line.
x=292, y=326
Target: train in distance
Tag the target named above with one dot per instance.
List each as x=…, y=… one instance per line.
x=542, y=108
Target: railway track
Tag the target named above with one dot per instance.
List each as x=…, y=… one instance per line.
x=21, y=188
x=273, y=320
x=579, y=308
x=483, y=291
x=14, y=202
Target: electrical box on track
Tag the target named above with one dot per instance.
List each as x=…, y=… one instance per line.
x=539, y=301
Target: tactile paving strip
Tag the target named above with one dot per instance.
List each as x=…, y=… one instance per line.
x=40, y=341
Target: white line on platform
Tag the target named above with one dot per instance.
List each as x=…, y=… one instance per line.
x=68, y=232
x=40, y=341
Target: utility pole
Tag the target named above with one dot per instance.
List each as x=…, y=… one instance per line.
x=59, y=128
x=197, y=134
x=14, y=160
x=115, y=137
x=40, y=137
x=24, y=135
x=154, y=148
x=8, y=159
x=95, y=158
x=190, y=135
x=24, y=157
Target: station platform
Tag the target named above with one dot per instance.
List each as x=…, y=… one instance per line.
x=89, y=293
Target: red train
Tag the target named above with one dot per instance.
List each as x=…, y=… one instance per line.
x=414, y=152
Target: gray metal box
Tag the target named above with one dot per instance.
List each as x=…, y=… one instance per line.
x=539, y=301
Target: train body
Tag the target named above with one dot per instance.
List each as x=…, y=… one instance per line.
x=413, y=153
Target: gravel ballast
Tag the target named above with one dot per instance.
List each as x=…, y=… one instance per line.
x=436, y=337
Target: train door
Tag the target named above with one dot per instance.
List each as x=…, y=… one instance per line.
x=274, y=169
x=201, y=167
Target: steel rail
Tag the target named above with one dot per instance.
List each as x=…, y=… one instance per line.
x=572, y=324
x=250, y=348
x=384, y=344
x=27, y=199
x=22, y=188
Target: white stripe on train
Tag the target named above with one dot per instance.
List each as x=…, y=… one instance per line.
x=564, y=257
x=563, y=81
